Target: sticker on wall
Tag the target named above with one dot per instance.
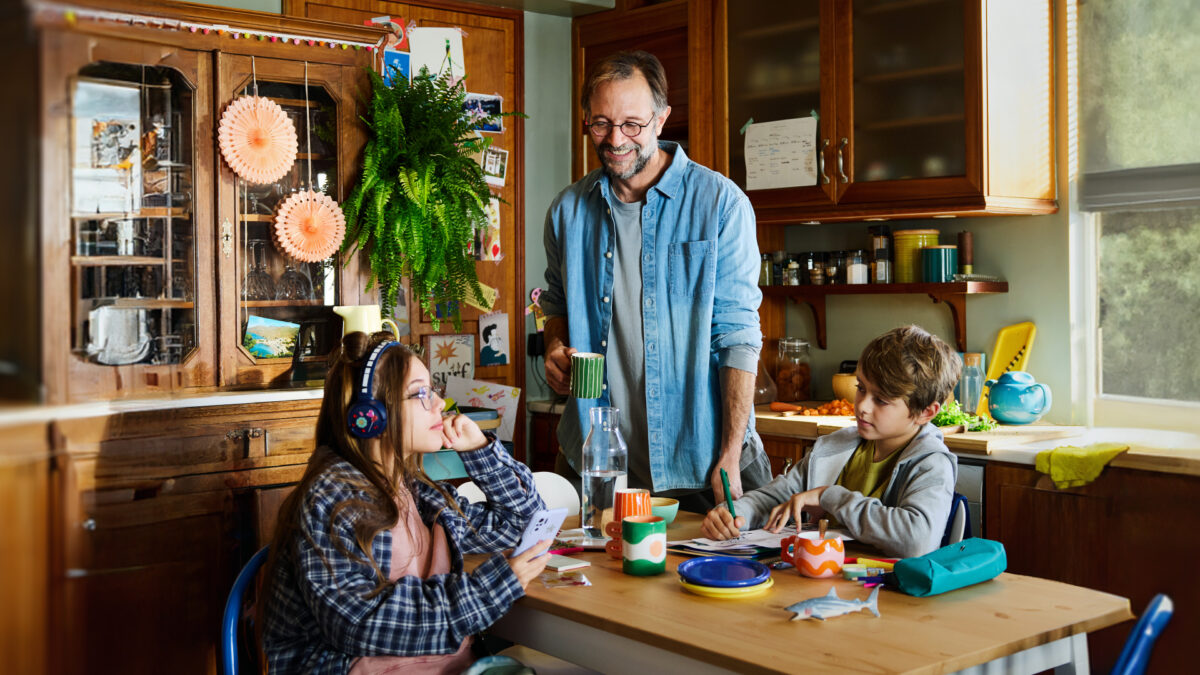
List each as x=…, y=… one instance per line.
x=449, y=356
x=493, y=339
x=438, y=49
x=480, y=106
x=489, y=298
x=488, y=245
x=480, y=394
x=535, y=308
x=495, y=166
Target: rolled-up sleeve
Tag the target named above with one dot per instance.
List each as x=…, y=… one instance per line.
x=735, y=308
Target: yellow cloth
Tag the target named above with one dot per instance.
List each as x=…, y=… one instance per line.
x=1073, y=466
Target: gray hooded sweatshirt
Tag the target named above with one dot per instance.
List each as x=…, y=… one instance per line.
x=908, y=521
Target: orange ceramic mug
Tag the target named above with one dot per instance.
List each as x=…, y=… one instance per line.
x=627, y=502
x=814, y=558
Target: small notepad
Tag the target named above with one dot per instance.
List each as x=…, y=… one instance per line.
x=561, y=563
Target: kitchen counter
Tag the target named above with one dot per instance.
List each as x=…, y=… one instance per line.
x=1149, y=449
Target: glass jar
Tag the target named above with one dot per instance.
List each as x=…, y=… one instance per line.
x=793, y=372
x=856, y=267
x=835, y=272
x=791, y=274
x=605, y=463
x=764, y=387
x=816, y=274
x=764, y=272
x=971, y=382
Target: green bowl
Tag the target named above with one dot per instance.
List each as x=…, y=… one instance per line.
x=665, y=508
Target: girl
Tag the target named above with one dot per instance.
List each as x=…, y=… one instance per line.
x=366, y=571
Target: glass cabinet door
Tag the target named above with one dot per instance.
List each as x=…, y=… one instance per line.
x=780, y=63
x=908, y=90
x=133, y=225
x=285, y=325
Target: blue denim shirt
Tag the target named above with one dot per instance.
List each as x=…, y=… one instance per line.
x=700, y=296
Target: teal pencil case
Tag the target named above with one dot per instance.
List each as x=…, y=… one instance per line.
x=968, y=562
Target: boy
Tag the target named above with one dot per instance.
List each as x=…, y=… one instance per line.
x=888, y=480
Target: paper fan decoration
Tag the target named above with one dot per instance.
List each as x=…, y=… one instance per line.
x=257, y=139
x=310, y=226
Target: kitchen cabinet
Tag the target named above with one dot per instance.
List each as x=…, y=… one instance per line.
x=926, y=108
x=145, y=264
x=1124, y=533
x=154, y=515
x=25, y=457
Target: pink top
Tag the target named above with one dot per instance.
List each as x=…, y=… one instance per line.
x=416, y=551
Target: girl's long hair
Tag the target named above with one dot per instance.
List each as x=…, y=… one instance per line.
x=383, y=478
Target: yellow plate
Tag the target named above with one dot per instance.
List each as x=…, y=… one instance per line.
x=714, y=592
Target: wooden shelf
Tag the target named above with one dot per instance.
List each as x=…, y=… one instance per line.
x=774, y=29
x=784, y=92
x=282, y=303
x=143, y=303
x=909, y=122
x=896, y=6
x=910, y=74
x=257, y=218
x=150, y=212
x=116, y=260
x=953, y=294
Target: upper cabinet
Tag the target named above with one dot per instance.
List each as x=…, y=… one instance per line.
x=155, y=256
x=925, y=108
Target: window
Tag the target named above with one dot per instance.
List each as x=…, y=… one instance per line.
x=1137, y=207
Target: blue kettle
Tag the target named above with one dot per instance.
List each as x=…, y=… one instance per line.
x=1016, y=399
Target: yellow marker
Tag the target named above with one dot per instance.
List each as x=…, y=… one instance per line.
x=869, y=562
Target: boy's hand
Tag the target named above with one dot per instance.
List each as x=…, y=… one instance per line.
x=809, y=501
x=526, y=567
x=718, y=524
x=461, y=434
x=558, y=368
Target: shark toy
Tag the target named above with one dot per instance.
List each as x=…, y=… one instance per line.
x=829, y=606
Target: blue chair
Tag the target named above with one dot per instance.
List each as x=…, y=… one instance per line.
x=1136, y=653
x=233, y=611
x=958, y=525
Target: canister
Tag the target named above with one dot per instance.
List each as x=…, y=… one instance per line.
x=857, y=267
x=939, y=263
x=908, y=245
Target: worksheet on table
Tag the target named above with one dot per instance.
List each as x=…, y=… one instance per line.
x=751, y=539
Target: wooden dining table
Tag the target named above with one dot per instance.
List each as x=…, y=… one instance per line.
x=627, y=624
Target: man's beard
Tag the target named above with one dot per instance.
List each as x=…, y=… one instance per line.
x=640, y=159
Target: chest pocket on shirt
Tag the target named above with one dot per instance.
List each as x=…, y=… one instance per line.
x=693, y=268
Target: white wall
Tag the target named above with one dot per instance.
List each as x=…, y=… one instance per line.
x=547, y=151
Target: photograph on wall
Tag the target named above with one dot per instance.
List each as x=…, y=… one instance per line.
x=107, y=156
x=395, y=64
x=480, y=394
x=479, y=106
x=487, y=239
x=495, y=166
x=493, y=339
x=449, y=356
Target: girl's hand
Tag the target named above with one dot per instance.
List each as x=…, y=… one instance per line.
x=524, y=565
x=461, y=434
x=809, y=501
x=718, y=524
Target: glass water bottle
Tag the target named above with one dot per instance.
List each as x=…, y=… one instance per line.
x=605, y=462
x=971, y=381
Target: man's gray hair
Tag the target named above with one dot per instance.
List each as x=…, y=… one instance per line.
x=622, y=66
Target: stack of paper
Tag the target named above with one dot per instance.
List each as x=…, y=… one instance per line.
x=749, y=544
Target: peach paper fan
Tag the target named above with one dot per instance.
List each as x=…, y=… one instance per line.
x=257, y=139
x=310, y=226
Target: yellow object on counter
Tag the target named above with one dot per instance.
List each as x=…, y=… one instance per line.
x=1072, y=466
x=869, y=562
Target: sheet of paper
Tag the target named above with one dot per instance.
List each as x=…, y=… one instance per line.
x=480, y=394
x=755, y=539
x=781, y=154
x=438, y=49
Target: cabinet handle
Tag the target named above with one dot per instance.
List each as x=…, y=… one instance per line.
x=821, y=161
x=841, y=165
x=89, y=524
x=257, y=433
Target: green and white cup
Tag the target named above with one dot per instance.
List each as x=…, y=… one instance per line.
x=644, y=545
x=587, y=374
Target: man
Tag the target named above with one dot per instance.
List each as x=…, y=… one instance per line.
x=653, y=261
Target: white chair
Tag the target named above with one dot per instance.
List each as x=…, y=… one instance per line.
x=557, y=491
x=472, y=492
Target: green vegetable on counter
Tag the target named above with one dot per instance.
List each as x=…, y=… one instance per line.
x=952, y=414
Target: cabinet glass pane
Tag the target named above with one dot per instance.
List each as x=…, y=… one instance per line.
x=908, y=89
x=774, y=67
x=285, y=304
x=133, y=259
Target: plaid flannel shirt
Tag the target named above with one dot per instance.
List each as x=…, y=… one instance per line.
x=321, y=622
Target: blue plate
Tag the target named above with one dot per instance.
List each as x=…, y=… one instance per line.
x=719, y=571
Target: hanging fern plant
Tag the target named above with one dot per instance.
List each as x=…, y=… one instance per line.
x=422, y=193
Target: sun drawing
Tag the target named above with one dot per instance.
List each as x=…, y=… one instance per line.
x=446, y=351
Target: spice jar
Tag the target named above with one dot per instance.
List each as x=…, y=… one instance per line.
x=764, y=273
x=856, y=267
x=791, y=274
x=793, y=374
x=816, y=274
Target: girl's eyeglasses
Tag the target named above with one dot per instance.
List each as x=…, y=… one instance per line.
x=425, y=394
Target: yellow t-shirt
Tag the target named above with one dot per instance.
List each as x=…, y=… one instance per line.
x=863, y=474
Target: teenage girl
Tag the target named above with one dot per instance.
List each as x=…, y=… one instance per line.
x=365, y=573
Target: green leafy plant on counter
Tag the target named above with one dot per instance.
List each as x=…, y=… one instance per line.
x=422, y=193
x=952, y=414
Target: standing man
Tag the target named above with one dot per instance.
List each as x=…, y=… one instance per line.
x=653, y=262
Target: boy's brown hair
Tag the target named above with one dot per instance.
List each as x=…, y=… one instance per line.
x=910, y=364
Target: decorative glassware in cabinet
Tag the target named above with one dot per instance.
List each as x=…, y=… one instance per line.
x=133, y=256
x=909, y=80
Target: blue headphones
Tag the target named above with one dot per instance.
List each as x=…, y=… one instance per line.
x=367, y=416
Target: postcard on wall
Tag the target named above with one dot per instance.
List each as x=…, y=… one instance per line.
x=480, y=394
x=107, y=157
x=495, y=166
x=449, y=356
x=781, y=154
x=270, y=338
x=438, y=49
x=493, y=339
x=488, y=247
x=485, y=105
x=395, y=64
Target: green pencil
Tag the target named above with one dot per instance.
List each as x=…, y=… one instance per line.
x=728, y=494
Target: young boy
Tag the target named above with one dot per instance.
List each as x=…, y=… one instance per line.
x=888, y=480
